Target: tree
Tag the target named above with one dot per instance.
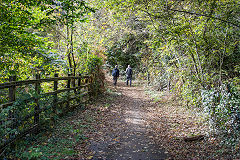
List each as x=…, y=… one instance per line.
x=21, y=42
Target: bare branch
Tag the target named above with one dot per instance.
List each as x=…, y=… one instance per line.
x=204, y=15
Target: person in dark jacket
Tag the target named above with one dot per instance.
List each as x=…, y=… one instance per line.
x=115, y=74
x=129, y=75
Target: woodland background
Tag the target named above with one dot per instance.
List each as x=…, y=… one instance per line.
x=189, y=48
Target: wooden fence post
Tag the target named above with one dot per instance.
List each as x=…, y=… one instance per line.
x=79, y=90
x=68, y=93
x=12, y=89
x=91, y=85
x=12, y=97
x=55, y=98
x=94, y=84
x=37, y=108
x=74, y=82
x=79, y=80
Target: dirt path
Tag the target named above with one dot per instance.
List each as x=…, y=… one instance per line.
x=123, y=132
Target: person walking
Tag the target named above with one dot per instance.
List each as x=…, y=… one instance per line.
x=129, y=75
x=115, y=74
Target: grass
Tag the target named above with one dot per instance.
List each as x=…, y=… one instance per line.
x=155, y=95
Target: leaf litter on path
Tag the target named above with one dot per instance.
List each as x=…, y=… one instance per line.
x=124, y=132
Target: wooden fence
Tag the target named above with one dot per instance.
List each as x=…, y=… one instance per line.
x=20, y=116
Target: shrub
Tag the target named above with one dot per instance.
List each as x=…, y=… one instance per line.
x=223, y=108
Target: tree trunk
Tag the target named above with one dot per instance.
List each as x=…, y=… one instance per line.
x=68, y=51
x=221, y=58
x=71, y=40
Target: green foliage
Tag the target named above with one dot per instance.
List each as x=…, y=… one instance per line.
x=222, y=106
x=190, y=93
x=93, y=62
x=89, y=63
x=124, y=52
x=22, y=43
x=34, y=153
x=57, y=143
x=31, y=33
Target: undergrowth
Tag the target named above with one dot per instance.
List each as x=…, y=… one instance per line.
x=59, y=142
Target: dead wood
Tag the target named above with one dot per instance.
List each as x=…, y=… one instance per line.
x=193, y=138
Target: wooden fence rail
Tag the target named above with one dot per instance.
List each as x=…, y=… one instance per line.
x=19, y=117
